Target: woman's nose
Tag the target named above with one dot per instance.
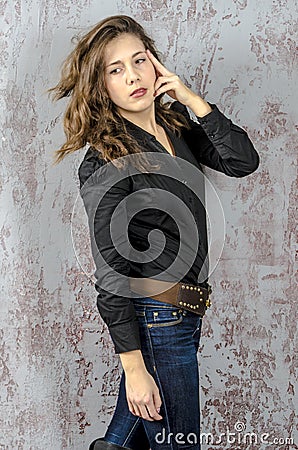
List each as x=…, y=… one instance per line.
x=132, y=75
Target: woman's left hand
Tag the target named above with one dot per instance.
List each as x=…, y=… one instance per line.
x=170, y=83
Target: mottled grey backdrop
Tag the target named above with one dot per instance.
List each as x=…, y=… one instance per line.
x=59, y=377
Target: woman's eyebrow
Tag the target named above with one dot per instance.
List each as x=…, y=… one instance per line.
x=119, y=61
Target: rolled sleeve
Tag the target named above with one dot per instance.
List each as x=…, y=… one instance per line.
x=125, y=336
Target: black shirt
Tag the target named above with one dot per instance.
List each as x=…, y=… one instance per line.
x=130, y=250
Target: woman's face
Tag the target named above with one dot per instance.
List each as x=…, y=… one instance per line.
x=129, y=75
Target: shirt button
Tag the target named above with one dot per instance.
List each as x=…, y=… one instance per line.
x=211, y=135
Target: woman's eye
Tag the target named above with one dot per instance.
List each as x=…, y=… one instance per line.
x=115, y=71
x=140, y=60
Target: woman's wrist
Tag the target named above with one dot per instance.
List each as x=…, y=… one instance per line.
x=199, y=106
x=132, y=361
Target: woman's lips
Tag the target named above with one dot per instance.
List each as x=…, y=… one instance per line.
x=138, y=93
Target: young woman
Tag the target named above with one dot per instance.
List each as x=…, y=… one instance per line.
x=116, y=82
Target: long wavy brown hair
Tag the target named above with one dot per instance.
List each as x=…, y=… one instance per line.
x=91, y=117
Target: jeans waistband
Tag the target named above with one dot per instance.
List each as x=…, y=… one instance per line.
x=148, y=301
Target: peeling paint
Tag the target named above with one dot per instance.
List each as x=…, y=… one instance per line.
x=59, y=376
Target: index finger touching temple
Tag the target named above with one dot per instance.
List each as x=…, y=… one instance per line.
x=161, y=69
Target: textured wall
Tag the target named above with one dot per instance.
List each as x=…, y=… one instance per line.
x=58, y=375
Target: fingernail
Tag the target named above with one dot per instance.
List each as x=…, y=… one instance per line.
x=158, y=410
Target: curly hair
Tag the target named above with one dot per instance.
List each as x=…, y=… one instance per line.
x=91, y=117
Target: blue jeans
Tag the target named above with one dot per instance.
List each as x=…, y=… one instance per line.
x=170, y=338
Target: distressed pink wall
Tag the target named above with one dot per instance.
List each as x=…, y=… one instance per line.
x=58, y=374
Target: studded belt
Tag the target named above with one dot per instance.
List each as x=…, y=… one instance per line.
x=182, y=295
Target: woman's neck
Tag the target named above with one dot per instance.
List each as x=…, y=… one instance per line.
x=144, y=119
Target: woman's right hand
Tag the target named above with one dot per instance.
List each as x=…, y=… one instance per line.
x=142, y=395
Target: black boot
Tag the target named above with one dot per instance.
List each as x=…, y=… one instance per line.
x=100, y=444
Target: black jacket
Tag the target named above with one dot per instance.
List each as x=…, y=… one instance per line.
x=213, y=141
